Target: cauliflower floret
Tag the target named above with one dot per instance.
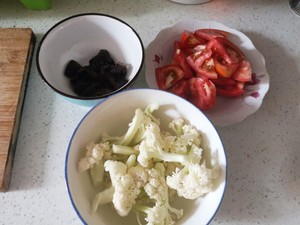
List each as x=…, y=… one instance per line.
x=192, y=181
x=157, y=190
x=185, y=136
x=155, y=215
x=126, y=186
x=94, y=154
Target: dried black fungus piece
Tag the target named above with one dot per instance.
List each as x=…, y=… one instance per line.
x=72, y=68
x=100, y=77
x=101, y=59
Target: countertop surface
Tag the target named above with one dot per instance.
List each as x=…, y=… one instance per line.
x=263, y=150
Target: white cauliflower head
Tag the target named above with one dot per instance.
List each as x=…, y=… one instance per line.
x=192, y=181
x=125, y=185
x=93, y=155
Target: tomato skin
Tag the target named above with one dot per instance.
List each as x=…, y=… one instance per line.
x=167, y=76
x=243, y=72
x=201, y=63
x=229, y=45
x=217, y=48
x=223, y=68
x=179, y=58
x=209, y=34
x=188, y=40
x=181, y=88
x=231, y=93
x=222, y=81
x=202, y=93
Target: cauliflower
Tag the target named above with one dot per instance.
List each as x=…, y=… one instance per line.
x=126, y=185
x=155, y=215
x=157, y=190
x=93, y=155
x=152, y=148
x=193, y=181
x=146, y=168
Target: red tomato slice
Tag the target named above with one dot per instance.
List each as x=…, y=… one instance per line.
x=223, y=82
x=223, y=68
x=167, y=76
x=219, y=49
x=202, y=93
x=209, y=34
x=179, y=58
x=181, y=88
x=240, y=85
x=229, y=45
x=230, y=92
x=189, y=40
x=243, y=72
x=202, y=63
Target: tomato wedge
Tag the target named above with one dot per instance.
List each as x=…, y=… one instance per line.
x=202, y=93
x=181, y=88
x=209, y=34
x=167, y=76
x=202, y=63
x=188, y=40
x=230, y=46
x=243, y=72
x=230, y=92
x=218, y=48
x=223, y=68
x=179, y=58
x=222, y=81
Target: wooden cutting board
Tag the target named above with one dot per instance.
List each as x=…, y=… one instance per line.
x=16, y=50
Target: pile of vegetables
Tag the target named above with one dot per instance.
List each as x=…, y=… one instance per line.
x=101, y=76
x=146, y=168
x=205, y=64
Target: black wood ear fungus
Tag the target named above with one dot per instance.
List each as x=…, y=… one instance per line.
x=102, y=76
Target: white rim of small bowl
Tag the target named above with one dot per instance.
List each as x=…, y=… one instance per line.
x=108, y=99
x=94, y=97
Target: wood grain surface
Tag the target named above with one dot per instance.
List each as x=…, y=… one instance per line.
x=16, y=50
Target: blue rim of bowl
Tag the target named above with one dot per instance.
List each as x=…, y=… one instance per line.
x=137, y=89
x=95, y=97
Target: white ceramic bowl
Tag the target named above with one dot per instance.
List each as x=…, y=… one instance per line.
x=81, y=37
x=112, y=116
x=227, y=111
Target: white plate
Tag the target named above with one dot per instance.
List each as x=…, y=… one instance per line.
x=227, y=111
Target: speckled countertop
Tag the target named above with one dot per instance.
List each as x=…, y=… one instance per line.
x=263, y=150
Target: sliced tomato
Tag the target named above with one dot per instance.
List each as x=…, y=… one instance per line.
x=219, y=49
x=202, y=93
x=209, y=34
x=181, y=88
x=229, y=45
x=202, y=63
x=223, y=68
x=240, y=85
x=188, y=40
x=176, y=45
x=179, y=58
x=230, y=92
x=222, y=81
x=167, y=76
x=243, y=72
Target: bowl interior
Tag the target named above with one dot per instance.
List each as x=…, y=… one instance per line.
x=112, y=116
x=82, y=37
